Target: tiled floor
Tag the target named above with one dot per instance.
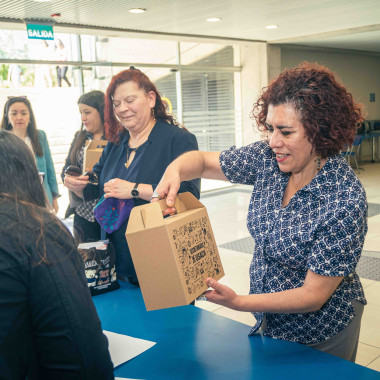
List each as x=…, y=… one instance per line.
x=228, y=209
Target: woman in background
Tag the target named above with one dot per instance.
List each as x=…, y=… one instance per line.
x=18, y=118
x=143, y=141
x=49, y=328
x=91, y=108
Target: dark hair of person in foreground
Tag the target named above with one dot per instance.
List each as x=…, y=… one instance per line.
x=49, y=328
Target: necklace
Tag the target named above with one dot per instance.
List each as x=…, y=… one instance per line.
x=129, y=151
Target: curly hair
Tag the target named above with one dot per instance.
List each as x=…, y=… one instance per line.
x=112, y=125
x=326, y=109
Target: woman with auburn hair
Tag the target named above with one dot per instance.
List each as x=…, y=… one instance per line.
x=307, y=215
x=18, y=118
x=49, y=328
x=143, y=141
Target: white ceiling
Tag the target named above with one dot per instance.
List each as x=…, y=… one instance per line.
x=345, y=24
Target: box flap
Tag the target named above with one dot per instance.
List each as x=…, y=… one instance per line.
x=189, y=201
x=95, y=143
x=150, y=215
x=145, y=217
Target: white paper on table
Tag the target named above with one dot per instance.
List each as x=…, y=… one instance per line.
x=123, y=347
x=101, y=245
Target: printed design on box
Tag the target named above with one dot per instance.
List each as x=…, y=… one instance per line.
x=197, y=253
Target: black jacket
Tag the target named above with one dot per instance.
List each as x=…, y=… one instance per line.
x=165, y=143
x=49, y=328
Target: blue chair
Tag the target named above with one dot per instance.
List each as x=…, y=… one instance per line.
x=353, y=150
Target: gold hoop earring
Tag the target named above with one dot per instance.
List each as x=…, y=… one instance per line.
x=318, y=163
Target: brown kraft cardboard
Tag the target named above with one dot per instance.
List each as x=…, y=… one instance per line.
x=173, y=256
x=92, y=152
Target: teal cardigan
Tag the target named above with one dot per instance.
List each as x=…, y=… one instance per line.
x=45, y=165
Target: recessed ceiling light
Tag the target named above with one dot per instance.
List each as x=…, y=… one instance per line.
x=213, y=19
x=137, y=10
x=271, y=27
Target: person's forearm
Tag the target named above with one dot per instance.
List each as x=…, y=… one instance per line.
x=299, y=300
x=145, y=191
x=197, y=164
x=189, y=165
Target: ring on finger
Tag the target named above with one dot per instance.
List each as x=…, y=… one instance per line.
x=155, y=195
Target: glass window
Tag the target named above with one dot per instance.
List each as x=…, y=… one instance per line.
x=129, y=50
x=14, y=44
x=208, y=102
x=201, y=54
x=208, y=108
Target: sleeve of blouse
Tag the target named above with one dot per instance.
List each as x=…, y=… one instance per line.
x=50, y=175
x=242, y=165
x=339, y=241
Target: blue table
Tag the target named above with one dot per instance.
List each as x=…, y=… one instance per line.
x=195, y=344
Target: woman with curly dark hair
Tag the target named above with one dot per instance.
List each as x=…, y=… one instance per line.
x=307, y=215
x=143, y=141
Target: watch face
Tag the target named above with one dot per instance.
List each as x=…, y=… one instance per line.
x=135, y=193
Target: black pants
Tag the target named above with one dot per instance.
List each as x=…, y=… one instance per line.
x=61, y=74
x=85, y=231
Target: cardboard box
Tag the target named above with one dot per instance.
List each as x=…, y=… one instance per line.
x=173, y=256
x=92, y=152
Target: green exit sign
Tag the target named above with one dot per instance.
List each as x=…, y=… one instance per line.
x=40, y=32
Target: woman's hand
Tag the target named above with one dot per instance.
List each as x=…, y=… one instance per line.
x=76, y=184
x=222, y=294
x=118, y=188
x=168, y=187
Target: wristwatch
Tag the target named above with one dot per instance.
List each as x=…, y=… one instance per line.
x=135, y=193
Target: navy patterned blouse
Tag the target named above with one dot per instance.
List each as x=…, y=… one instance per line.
x=322, y=229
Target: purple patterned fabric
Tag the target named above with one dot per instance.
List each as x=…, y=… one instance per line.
x=111, y=213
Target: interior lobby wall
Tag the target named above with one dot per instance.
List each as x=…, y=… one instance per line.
x=360, y=73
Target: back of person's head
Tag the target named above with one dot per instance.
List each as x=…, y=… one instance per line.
x=32, y=126
x=21, y=184
x=94, y=99
x=325, y=108
x=19, y=177
x=112, y=124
